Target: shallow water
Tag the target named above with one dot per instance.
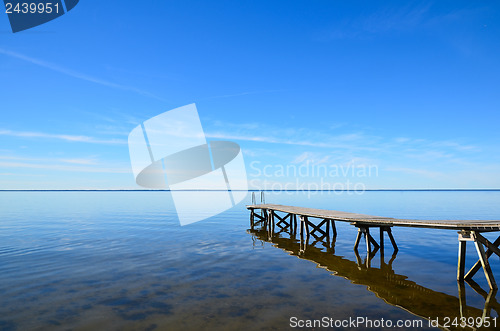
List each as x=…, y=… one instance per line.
x=120, y=260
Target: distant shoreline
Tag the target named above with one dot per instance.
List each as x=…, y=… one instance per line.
x=366, y=190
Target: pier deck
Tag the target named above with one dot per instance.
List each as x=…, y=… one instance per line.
x=468, y=230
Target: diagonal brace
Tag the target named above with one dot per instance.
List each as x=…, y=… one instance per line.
x=491, y=249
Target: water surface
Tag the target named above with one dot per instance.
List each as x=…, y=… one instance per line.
x=120, y=260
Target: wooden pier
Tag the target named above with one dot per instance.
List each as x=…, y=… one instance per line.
x=468, y=230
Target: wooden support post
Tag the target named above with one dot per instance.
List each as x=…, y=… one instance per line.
x=393, y=257
x=334, y=229
x=487, y=303
x=306, y=243
x=461, y=259
x=293, y=225
x=327, y=229
x=270, y=222
x=381, y=244
x=367, y=239
x=306, y=224
x=382, y=238
x=463, y=237
x=302, y=221
x=461, y=298
x=358, y=258
x=252, y=213
x=358, y=238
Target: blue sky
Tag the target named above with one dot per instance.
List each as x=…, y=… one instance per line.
x=409, y=89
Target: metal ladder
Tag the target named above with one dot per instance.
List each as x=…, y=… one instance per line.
x=262, y=198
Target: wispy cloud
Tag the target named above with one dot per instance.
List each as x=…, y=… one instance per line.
x=76, y=74
x=386, y=20
x=413, y=156
x=312, y=158
x=243, y=93
x=337, y=142
x=418, y=171
x=12, y=174
x=65, y=137
x=82, y=161
x=62, y=167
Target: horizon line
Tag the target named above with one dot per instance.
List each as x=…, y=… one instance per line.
x=253, y=190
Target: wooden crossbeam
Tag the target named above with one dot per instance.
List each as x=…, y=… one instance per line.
x=319, y=238
x=490, y=246
x=484, y=262
x=479, y=242
x=393, y=242
x=317, y=227
x=326, y=243
x=282, y=220
x=259, y=216
x=477, y=265
x=254, y=215
x=283, y=227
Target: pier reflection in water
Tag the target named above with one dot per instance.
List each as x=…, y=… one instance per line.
x=395, y=289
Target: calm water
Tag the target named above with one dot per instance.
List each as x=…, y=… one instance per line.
x=120, y=260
